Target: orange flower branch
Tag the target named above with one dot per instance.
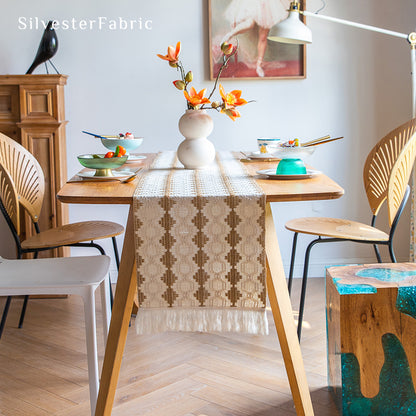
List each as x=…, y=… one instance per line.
x=197, y=100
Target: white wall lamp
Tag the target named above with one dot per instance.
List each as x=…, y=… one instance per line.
x=293, y=30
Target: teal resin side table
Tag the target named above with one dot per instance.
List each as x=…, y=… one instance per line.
x=371, y=333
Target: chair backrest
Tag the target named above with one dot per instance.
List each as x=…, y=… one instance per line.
x=26, y=173
x=399, y=177
x=380, y=162
x=9, y=199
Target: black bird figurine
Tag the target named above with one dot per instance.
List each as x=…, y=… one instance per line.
x=47, y=48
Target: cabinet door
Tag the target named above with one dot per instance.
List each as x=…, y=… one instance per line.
x=32, y=112
x=9, y=111
x=9, y=103
x=38, y=103
x=40, y=143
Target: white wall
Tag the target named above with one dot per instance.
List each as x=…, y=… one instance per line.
x=357, y=86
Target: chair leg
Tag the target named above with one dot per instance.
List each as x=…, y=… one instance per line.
x=391, y=251
x=23, y=311
x=116, y=256
x=110, y=289
x=292, y=262
x=101, y=250
x=105, y=308
x=26, y=299
x=304, y=281
x=92, y=354
x=377, y=253
x=5, y=313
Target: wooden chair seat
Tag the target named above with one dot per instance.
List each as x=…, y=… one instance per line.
x=336, y=228
x=69, y=234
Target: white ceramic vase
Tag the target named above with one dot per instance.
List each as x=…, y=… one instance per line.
x=196, y=151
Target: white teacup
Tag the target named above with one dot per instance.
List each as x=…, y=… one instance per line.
x=268, y=145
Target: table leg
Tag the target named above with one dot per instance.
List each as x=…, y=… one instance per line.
x=283, y=319
x=123, y=301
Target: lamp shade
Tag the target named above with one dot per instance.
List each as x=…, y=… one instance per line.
x=291, y=30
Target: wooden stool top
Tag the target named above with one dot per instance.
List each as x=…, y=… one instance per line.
x=367, y=278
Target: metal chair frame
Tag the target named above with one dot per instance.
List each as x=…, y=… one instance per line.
x=319, y=240
x=386, y=175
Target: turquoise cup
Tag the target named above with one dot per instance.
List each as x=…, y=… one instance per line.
x=291, y=162
x=291, y=167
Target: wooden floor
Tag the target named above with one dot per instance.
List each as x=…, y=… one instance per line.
x=43, y=367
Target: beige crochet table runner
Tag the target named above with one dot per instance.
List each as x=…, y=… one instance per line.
x=200, y=248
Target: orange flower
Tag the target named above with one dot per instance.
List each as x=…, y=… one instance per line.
x=232, y=98
x=231, y=112
x=196, y=98
x=172, y=55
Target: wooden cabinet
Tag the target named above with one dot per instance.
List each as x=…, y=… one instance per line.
x=32, y=112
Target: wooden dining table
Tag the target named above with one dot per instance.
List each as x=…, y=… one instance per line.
x=321, y=187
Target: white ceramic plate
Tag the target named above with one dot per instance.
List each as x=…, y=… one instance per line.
x=271, y=174
x=135, y=158
x=259, y=155
x=119, y=174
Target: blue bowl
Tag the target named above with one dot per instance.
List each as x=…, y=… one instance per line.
x=128, y=144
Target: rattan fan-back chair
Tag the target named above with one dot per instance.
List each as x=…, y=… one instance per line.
x=29, y=182
x=386, y=175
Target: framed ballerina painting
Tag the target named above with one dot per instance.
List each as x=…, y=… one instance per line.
x=248, y=22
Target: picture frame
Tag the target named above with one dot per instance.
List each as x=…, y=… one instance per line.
x=248, y=22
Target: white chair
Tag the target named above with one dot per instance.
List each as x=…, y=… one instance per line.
x=65, y=276
x=28, y=181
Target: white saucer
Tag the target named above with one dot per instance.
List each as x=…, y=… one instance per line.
x=118, y=174
x=271, y=174
x=135, y=158
x=259, y=155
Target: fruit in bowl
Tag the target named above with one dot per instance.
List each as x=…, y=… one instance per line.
x=102, y=164
x=127, y=140
x=118, y=152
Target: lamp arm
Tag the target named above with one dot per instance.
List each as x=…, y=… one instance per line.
x=359, y=25
x=411, y=38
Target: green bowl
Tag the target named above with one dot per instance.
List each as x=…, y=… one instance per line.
x=102, y=165
x=291, y=167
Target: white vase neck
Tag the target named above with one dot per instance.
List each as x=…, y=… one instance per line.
x=191, y=110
